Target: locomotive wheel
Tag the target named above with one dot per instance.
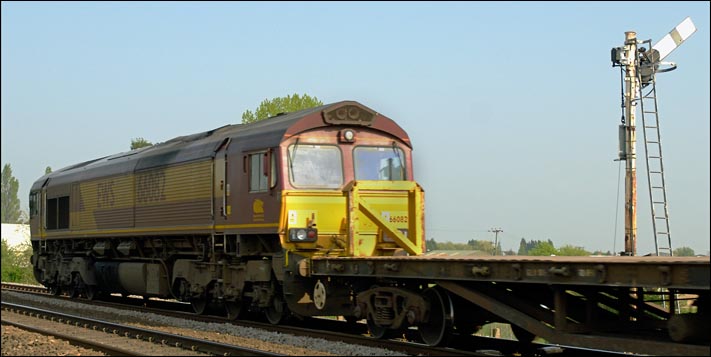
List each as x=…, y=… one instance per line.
x=233, y=309
x=199, y=305
x=439, y=327
x=75, y=286
x=319, y=295
x=277, y=312
x=55, y=288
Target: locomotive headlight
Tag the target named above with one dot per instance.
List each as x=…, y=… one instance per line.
x=347, y=135
x=303, y=234
x=300, y=234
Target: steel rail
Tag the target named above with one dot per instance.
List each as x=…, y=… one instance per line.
x=77, y=341
x=165, y=338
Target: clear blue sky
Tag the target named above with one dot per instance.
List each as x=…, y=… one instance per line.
x=512, y=107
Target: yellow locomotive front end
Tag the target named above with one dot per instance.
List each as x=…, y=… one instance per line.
x=349, y=189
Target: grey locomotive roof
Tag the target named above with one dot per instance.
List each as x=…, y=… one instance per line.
x=258, y=135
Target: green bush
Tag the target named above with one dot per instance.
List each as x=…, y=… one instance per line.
x=16, y=266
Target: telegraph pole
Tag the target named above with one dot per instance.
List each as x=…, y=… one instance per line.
x=496, y=237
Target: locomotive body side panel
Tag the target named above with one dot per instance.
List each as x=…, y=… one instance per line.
x=174, y=196
x=152, y=201
x=103, y=204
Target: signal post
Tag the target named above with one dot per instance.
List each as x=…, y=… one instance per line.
x=630, y=153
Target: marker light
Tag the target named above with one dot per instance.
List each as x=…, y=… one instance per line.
x=303, y=234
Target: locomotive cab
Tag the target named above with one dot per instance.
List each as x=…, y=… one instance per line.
x=348, y=189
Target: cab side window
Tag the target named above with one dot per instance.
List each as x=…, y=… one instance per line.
x=34, y=207
x=257, y=177
x=58, y=213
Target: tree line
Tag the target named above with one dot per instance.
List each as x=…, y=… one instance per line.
x=531, y=247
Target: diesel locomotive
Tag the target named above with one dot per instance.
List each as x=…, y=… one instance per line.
x=232, y=217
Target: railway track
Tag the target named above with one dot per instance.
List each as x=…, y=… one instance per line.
x=74, y=340
x=353, y=333
x=316, y=328
x=142, y=334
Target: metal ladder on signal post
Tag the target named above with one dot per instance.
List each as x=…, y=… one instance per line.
x=655, y=176
x=655, y=167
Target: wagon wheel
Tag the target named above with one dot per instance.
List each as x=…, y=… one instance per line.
x=233, y=309
x=437, y=330
x=277, y=312
x=376, y=331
